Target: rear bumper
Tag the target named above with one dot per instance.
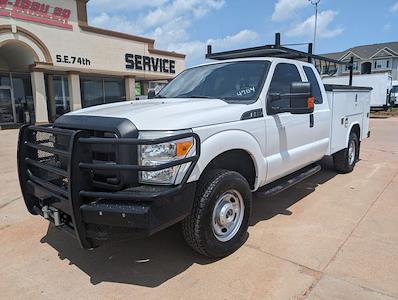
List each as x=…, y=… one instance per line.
x=60, y=186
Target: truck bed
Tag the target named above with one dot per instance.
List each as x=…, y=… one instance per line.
x=334, y=87
x=381, y=83
x=349, y=105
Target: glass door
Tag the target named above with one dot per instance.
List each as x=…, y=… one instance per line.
x=6, y=108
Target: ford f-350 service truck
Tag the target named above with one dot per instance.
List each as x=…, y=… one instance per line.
x=213, y=136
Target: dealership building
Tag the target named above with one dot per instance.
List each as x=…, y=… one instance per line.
x=53, y=62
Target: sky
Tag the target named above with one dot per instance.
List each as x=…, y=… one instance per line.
x=188, y=26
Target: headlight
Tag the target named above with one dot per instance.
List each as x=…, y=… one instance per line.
x=153, y=155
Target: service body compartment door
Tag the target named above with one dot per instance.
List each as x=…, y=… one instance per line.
x=348, y=107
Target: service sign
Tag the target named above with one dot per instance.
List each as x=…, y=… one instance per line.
x=148, y=63
x=36, y=11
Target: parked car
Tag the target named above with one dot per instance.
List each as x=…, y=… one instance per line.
x=195, y=154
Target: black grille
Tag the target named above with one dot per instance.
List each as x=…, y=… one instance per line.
x=105, y=180
x=47, y=155
x=67, y=169
x=48, y=142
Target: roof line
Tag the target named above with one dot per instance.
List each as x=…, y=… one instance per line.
x=387, y=49
x=117, y=34
x=350, y=51
x=385, y=45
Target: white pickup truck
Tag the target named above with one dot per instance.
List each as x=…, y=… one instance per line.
x=213, y=136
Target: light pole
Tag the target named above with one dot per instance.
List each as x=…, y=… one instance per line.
x=315, y=2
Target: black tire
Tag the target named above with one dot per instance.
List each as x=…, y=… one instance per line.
x=197, y=228
x=341, y=159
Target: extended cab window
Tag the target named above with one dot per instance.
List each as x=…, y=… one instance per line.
x=239, y=81
x=316, y=91
x=284, y=75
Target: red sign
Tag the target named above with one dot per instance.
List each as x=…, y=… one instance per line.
x=37, y=12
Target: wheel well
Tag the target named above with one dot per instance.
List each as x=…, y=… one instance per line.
x=235, y=160
x=357, y=130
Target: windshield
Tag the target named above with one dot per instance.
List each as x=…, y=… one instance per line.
x=232, y=81
x=394, y=89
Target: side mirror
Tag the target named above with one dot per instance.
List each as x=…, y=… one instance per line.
x=298, y=101
x=151, y=94
x=301, y=99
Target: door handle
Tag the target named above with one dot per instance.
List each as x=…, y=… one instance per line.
x=311, y=120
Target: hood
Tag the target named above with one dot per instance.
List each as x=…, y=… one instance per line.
x=169, y=114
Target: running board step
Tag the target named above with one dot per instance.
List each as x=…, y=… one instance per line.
x=282, y=184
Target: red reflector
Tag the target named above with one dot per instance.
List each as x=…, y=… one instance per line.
x=310, y=102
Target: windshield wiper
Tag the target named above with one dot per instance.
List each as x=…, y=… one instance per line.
x=195, y=96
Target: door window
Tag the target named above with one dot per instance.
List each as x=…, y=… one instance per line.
x=6, y=111
x=316, y=90
x=284, y=76
x=23, y=97
x=61, y=95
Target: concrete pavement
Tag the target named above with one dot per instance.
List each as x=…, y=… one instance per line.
x=330, y=237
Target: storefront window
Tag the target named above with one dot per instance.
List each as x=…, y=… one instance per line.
x=61, y=95
x=23, y=97
x=6, y=112
x=58, y=101
x=157, y=85
x=92, y=91
x=114, y=90
x=5, y=79
x=96, y=91
x=138, y=91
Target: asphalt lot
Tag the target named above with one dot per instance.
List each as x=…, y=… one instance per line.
x=330, y=237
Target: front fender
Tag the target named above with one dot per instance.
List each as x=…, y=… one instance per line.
x=225, y=141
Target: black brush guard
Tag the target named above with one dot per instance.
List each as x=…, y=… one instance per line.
x=55, y=168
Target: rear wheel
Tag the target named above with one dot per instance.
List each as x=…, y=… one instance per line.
x=345, y=160
x=219, y=219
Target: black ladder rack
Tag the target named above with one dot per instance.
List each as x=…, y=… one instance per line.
x=278, y=50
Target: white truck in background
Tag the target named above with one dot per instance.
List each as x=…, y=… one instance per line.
x=381, y=83
x=213, y=136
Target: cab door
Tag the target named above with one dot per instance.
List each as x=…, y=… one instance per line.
x=288, y=136
x=321, y=118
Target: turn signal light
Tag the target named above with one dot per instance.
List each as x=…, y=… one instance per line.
x=183, y=148
x=310, y=102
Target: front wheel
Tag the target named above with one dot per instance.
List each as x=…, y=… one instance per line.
x=345, y=160
x=217, y=225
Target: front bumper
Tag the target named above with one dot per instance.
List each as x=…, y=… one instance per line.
x=57, y=171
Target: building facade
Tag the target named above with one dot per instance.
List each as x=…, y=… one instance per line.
x=368, y=59
x=52, y=61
